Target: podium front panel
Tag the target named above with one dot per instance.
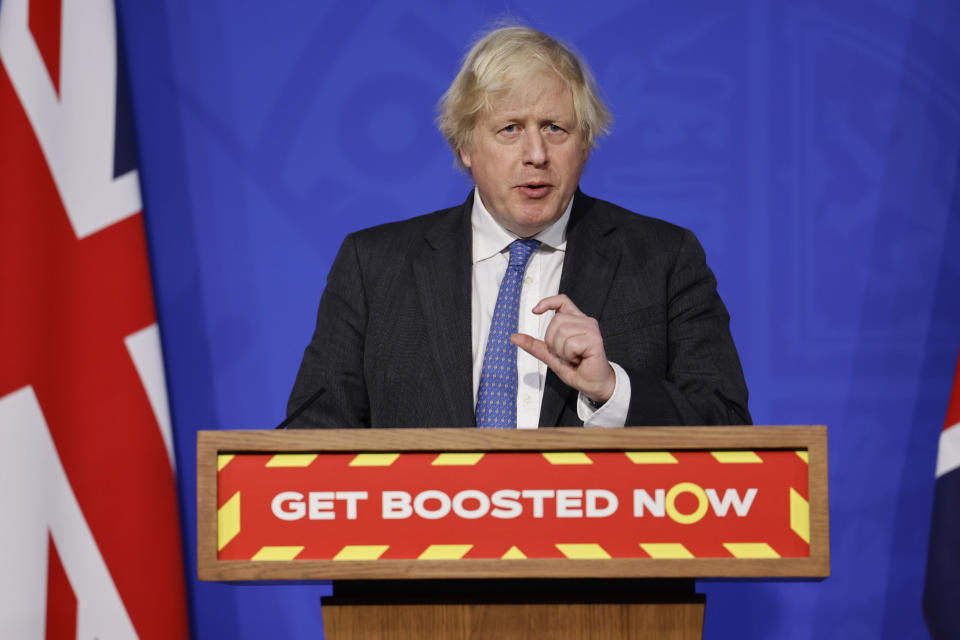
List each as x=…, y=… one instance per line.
x=417, y=503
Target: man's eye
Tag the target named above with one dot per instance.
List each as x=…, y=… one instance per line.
x=510, y=128
x=552, y=128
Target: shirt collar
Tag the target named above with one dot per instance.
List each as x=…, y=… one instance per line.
x=489, y=238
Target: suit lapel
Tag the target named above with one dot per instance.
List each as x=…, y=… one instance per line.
x=442, y=272
x=590, y=263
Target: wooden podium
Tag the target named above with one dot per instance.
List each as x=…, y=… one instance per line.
x=476, y=533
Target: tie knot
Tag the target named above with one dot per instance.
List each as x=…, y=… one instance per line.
x=520, y=252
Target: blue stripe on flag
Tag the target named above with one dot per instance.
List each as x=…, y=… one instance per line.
x=124, y=149
x=941, y=593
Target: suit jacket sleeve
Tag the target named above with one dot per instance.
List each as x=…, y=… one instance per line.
x=333, y=361
x=703, y=382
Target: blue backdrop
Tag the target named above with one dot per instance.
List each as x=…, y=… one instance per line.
x=814, y=147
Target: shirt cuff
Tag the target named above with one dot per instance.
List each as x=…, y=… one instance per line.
x=613, y=413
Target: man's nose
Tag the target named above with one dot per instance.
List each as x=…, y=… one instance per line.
x=534, y=148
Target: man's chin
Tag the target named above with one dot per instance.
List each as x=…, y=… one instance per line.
x=532, y=224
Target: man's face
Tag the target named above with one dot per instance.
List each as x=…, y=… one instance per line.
x=526, y=155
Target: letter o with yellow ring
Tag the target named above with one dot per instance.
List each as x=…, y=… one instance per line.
x=686, y=518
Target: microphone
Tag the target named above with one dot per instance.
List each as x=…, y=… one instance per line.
x=293, y=416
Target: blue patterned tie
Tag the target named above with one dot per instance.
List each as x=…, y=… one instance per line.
x=497, y=395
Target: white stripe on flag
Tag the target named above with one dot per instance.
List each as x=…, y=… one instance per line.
x=75, y=129
x=36, y=497
x=948, y=457
x=144, y=349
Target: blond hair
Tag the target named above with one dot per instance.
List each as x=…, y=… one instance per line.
x=500, y=61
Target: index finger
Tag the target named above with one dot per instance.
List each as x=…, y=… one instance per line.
x=559, y=303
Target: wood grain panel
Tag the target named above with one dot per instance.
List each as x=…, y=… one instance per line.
x=664, y=621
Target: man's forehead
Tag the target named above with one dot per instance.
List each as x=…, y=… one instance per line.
x=541, y=92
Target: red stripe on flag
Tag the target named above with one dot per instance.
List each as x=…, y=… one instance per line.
x=61, y=600
x=44, y=20
x=953, y=407
x=76, y=301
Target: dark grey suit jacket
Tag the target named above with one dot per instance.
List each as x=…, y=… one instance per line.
x=393, y=346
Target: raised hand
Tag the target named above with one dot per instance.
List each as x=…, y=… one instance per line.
x=573, y=349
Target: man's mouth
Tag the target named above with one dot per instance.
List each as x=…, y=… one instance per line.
x=535, y=189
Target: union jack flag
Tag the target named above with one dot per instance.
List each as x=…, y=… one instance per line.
x=90, y=540
x=941, y=594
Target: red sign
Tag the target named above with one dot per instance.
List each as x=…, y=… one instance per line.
x=511, y=505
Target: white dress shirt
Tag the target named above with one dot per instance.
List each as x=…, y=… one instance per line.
x=491, y=255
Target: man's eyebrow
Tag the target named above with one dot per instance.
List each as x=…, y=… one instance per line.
x=517, y=117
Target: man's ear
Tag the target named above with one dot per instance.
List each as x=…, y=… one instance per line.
x=465, y=156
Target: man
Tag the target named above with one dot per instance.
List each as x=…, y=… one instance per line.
x=616, y=315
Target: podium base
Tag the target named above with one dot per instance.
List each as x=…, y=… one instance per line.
x=522, y=609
